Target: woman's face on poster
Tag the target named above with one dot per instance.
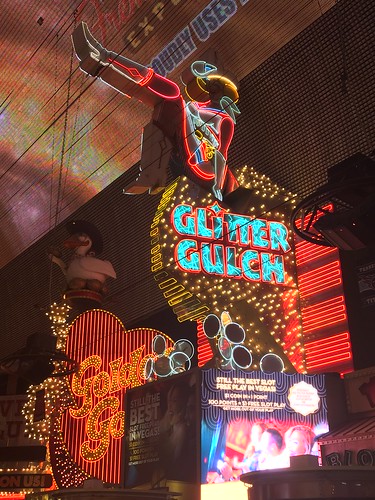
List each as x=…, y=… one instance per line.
x=297, y=443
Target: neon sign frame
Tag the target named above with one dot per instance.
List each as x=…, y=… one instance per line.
x=229, y=245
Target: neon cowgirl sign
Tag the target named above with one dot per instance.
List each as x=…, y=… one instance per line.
x=202, y=127
x=230, y=245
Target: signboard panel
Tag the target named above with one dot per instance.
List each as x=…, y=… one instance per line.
x=207, y=258
x=162, y=431
x=18, y=481
x=86, y=439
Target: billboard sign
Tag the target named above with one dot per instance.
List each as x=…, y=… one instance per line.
x=207, y=258
x=162, y=431
x=256, y=421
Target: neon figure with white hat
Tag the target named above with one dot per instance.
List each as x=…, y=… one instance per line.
x=84, y=271
x=200, y=129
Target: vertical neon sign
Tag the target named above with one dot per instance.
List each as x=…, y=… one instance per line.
x=111, y=360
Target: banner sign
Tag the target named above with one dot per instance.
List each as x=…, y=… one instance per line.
x=162, y=431
x=11, y=481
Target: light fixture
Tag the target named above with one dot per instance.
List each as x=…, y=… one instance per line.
x=341, y=213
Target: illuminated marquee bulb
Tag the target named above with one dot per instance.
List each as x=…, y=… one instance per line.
x=232, y=289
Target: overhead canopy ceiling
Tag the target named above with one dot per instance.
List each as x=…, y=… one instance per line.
x=63, y=138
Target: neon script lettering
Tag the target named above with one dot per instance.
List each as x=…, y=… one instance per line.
x=103, y=17
x=98, y=400
x=230, y=245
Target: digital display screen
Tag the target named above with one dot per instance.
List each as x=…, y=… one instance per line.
x=66, y=136
x=255, y=421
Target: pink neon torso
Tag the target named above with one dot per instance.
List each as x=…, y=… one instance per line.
x=215, y=127
x=205, y=130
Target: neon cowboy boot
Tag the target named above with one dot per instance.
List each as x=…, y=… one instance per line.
x=93, y=57
x=123, y=74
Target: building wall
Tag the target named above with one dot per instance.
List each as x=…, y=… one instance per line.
x=311, y=104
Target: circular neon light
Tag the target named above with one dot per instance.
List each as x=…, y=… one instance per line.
x=271, y=363
x=234, y=333
x=211, y=326
x=241, y=357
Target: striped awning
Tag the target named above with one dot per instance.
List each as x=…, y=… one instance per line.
x=351, y=431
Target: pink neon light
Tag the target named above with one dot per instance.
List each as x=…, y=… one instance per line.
x=326, y=208
x=325, y=304
x=329, y=361
x=203, y=346
x=321, y=281
x=196, y=167
x=318, y=357
x=327, y=347
x=324, y=314
x=313, y=279
x=308, y=252
x=132, y=71
x=329, y=340
x=199, y=172
x=325, y=274
x=311, y=318
x=308, y=290
x=324, y=323
x=312, y=314
x=328, y=319
x=326, y=352
x=147, y=78
x=316, y=274
x=153, y=81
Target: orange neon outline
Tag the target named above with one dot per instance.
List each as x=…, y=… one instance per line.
x=195, y=166
x=329, y=340
x=80, y=433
